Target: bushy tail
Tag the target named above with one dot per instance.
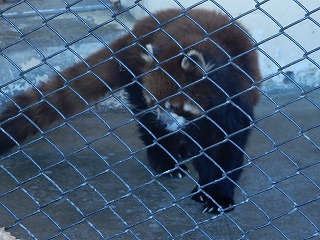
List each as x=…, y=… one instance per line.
x=60, y=97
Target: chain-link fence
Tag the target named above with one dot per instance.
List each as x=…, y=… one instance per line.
x=87, y=175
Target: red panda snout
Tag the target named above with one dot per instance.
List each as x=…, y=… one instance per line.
x=170, y=120
x=172, y=117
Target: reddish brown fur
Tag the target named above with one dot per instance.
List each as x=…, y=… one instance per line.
x=172, y=72
x=81, y=80
x=228, y=35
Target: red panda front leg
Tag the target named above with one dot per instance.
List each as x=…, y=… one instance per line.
x=164, y=152
x=213, y=191
x=219, y=169
x=166, y=156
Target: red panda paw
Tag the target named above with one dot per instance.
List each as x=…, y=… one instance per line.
x=199, y=196
x=225, y=205
x=210, y=206
x=179, y=172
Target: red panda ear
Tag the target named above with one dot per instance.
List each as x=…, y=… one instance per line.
x=194, y=60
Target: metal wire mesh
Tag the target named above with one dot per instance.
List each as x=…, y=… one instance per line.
x=87, y=177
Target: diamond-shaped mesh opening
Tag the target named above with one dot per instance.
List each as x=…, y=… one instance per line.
x=220, y=227
x=278, y=40
x=86, y=199
x=296, y=219
x=19, y=203
x=149, y=195
x=21, y=168
x=42, y=190
x=88, y=168
x=108, y=223
x=110, y=186
x=71, y=176
x=258, y=179
x=174, y=228
x=66, y=131
x=12, y=11
x=131, y=209
x=76, y=231
x=275, y=13
x=56, y=209
x=307, y=210
x=309, y=189
x=57, y=24
x=22, y=61
x=155, y=227
x=268, y=201
x=88, y=175
x=47, y=228
x=270, y=163
x=254, y=219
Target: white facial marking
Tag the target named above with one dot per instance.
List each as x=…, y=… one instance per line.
x=147, y=57
x=167, y=105
x=148, y=99
x=208, y=66
x=158, y=113
x=191, y=109
x=186, y=62
x=149, y=48
x=170, y=120
x=175, y=124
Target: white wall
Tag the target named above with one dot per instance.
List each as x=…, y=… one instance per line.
x=283, y=50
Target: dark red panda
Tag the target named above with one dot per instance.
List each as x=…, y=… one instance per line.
x=191, y=77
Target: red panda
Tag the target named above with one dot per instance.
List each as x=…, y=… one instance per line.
x=192, y=80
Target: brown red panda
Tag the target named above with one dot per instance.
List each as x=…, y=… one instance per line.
x=191, y=77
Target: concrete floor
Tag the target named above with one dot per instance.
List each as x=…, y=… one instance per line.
x=60, y=189
x=107, y=190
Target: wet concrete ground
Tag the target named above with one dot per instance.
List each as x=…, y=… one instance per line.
x=59, y=188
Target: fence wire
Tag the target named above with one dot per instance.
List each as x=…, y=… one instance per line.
x=87, y=176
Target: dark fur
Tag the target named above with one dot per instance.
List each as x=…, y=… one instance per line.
x=219, y=135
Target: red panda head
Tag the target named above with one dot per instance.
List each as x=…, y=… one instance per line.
x=168, y=85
